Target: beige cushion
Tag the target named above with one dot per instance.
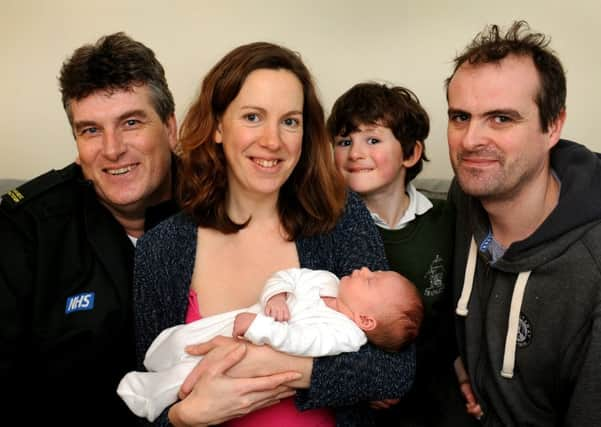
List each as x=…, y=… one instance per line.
x=435, y=188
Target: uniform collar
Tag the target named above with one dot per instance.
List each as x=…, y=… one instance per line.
x=418, y=205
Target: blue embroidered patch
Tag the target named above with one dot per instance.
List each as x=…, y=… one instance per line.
x=80, y=302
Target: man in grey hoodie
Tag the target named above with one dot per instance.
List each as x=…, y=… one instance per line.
x=527, y=270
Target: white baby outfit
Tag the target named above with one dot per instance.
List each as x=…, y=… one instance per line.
x=313, y=330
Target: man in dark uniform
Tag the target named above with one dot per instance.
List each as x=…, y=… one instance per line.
x=67, y=241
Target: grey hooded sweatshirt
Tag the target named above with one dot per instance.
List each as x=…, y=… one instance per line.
x=529, y=324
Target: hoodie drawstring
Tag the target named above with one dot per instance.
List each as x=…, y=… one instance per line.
x=468, y=281
x=513, y=324
x=514, y=311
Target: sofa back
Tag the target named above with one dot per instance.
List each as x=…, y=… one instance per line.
x=7, y=184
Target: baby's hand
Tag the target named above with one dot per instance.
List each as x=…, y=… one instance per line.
x=277, y=307
x=241, y=323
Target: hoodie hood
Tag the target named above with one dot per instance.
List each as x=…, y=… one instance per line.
x=579, y=206
x=578, y=209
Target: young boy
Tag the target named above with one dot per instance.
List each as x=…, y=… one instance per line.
x=379, y=135
x=307, y=313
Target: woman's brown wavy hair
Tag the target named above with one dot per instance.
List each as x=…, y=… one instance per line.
x=312, y=199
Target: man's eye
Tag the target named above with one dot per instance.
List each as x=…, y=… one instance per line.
x=502, y=119
x=89, y=131
x=459, y=117
x=132, y=122
x=343, y=143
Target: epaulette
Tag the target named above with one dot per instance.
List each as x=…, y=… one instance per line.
x=31, y=189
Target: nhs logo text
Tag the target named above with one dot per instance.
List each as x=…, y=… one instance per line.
x=80, y=302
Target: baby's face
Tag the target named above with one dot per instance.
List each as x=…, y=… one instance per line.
x=364, y=291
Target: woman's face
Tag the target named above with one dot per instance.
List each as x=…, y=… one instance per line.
x=262, y=133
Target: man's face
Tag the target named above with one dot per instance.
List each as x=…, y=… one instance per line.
x=124, y=148
x=496, y=145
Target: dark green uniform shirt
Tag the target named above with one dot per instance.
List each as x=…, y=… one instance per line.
x=423, y=252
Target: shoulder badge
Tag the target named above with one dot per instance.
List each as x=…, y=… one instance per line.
x=29, y=190
x=15, y=195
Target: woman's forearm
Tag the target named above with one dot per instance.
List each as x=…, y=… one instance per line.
x=366, y=375
x=263, y=360
x=348, y=378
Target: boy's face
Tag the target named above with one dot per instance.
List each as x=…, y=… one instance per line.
x=371, y=160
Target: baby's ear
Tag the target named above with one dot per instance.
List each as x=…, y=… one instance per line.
x=366, y=322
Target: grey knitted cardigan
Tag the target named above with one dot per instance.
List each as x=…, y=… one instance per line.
x=163, y=271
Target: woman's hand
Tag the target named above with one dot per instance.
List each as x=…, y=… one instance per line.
x=258, y=361
x=216, y=397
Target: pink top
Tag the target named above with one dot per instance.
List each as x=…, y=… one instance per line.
x=280, y=414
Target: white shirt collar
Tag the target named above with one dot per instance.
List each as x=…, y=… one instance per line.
x=133, y=239
x=418, y=205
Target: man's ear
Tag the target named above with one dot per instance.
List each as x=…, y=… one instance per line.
x=410, y=161
x=366, y=322
x=555, y=128
x=172, y=131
